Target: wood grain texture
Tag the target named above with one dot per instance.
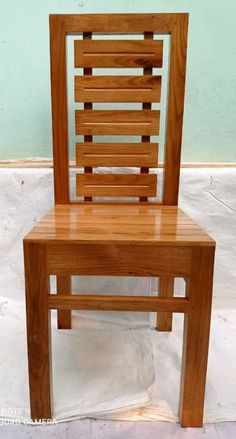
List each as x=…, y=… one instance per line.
x=63, y=288
x=88, y=106
x=59, y=110
x=118, y=53
x=176, y=26
x=120, y=223
x=117, y=88
x=178, y=55
x=117, y=303
x=118, y=23
x=118, y=259
x=196, y=338
x=165, y=289
x=119, y=239
x=38, y=330
x=116, y=185
x=116, y=154
x=146, y=106
x=104, y=122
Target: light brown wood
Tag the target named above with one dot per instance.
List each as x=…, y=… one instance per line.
x=146, y=106
x=174, y=124
x=63, y=288
x=38, y=330
x=122, y=239
x=117, y=303
x=116, y=154
x=174, y=24
x=196, y=338
x=118, y=88
x=165, y=289
x=59, y=110
x=118, y=259
x=117, y=23
x=112, y=223
x=116, y=185
x=133, y=122
x=118, y=53
x=88, y=106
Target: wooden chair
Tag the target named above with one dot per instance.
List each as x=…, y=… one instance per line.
x=132, y=238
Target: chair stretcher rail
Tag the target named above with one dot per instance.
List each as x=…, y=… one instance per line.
x=118, y=303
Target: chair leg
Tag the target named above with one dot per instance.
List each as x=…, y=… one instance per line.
x=196, y=338
x=165, y=289
x=64, y=316
x=38, y=330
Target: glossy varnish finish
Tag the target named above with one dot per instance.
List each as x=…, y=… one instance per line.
x=145, y=24
x=103, y=223
x=116, y=154
x=103, y=122
x=118, y=88
x=123, y=238
x=118, y=185
x=117, y=53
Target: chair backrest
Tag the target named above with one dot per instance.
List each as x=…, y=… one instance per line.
x=145, y=53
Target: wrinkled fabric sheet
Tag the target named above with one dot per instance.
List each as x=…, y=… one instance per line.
x=115, y=366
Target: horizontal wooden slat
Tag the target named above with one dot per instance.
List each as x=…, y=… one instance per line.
x=100, y=227
x=107, y=222
x=118, y=53
x=118, y=23
x=117, y=88
x=116, y=185
x=133, y=122
x=116, y=154
x=118, y=303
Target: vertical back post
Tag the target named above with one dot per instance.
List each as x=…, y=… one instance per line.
x=178, y=54
x=59, y=109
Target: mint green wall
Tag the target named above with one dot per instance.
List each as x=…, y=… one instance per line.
x=210, y=109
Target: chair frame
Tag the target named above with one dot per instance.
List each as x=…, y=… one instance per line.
x=192, y=261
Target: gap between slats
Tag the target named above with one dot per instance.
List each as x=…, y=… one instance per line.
x=146, y=106
x=88, y=106
x=108, y=121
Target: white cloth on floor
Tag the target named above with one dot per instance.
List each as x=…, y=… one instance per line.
x=105, y=368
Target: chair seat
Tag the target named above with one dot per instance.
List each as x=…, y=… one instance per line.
x=129, y=223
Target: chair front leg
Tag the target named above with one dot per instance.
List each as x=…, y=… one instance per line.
x=64, y=316
x=38, y=330
x=165, y=289
x=196, y=338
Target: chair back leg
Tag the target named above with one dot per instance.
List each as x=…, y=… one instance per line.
x=64, y=288
x=165, y=289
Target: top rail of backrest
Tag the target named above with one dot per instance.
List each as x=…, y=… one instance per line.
x=174, y=24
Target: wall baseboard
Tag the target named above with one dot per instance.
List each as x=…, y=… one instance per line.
x=48, y=163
